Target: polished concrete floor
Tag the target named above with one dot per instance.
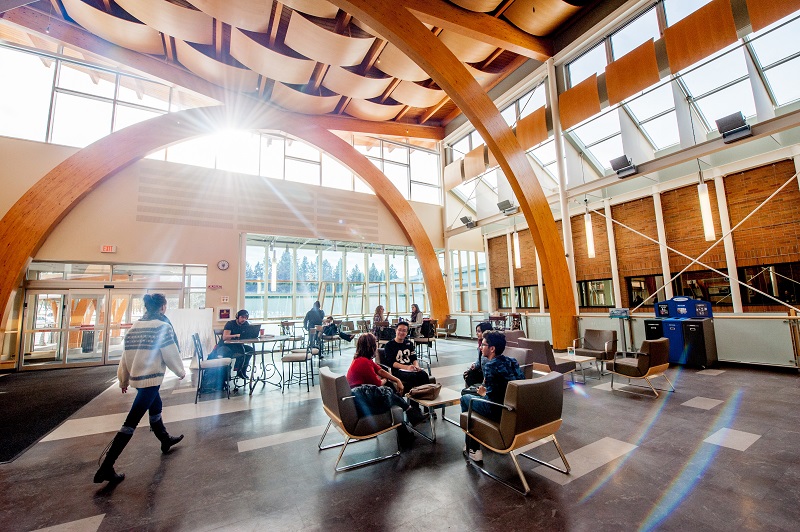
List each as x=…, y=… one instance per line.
x=720, y=453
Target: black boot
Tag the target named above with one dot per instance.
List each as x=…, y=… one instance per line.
x=163, y=436
x=415, y=416
x=106, y=471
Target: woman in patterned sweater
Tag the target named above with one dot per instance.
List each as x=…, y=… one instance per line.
x=150, y=347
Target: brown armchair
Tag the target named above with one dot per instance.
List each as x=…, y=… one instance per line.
x=543, y=357
x=531, y=412
x=513, y=336
x=598, y=343
x=339, y=403
x=524, y=357
x=652, y=360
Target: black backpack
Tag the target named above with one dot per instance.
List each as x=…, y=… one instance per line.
x=427, y=329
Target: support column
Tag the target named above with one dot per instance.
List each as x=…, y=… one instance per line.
x=566, y=226
x=662, y=245
x=489, y=290
x=612, y=253
x=511, y=286
x=539, y=285
x=730, y=252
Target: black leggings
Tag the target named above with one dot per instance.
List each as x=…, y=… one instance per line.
x=146, y=399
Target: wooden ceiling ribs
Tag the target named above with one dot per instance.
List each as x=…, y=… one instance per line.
x=302, y=46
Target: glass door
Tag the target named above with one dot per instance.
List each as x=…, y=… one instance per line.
x=43, y=329
x=86, y=327
x=124, y=308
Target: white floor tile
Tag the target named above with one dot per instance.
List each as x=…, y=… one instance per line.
x=703, y=403
x=284, y=437
x=711, y=372
x=733, y=439
x=441, y=372
x=585, y=460
x=90, y=524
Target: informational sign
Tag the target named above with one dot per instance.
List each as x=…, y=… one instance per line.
x=108, y=249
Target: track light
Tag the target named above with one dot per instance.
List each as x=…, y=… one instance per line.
x=623, y=166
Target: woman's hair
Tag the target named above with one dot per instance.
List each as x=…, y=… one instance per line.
x=366, y=346
x=378, y=309
x=484, y=326
x=414, y=306
x=329, y=318
x=154, y=302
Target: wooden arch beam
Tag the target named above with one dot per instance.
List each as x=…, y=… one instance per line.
x=401, y=28
x=28, y=223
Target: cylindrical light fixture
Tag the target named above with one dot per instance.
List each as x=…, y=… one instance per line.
x=273, y=278
x=587, y=222
x=517, y=256
x=705, y=212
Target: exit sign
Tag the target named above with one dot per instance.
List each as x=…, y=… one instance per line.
x=108, y=249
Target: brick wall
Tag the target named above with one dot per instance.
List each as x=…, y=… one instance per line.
x=772, y=235
x=683, y=225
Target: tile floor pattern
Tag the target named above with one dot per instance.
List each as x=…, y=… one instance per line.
x=251, y=463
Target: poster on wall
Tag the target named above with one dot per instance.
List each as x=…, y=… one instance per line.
x=224, y=313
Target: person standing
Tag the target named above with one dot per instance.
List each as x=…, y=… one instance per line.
x=241, y=352
x=498, y=371
x=313, y=318
x=150, y=347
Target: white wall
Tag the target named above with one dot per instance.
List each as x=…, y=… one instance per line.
x=159, y=212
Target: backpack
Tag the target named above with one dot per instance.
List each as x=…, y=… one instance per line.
x=386, y=333
x=427, y=329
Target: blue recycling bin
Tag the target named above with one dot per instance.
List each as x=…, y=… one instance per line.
x=673, y=330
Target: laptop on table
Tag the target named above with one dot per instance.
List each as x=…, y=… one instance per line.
x=250, y=332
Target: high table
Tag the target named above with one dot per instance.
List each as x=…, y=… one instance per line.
x=268, y=369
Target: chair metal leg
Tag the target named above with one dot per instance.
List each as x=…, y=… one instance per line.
x=344, y=444
x=567, y=467
x=526, y=489
x=649, y=384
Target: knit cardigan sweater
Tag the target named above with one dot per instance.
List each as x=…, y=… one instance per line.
x=150, y=348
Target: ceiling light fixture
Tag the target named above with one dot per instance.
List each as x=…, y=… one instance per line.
x=587, y=222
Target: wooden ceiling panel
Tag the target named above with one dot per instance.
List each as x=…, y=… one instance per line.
x=395, y=63
x=475, y=162
x=765, y=12
x=300, y=102
x=532, y=129
x=250, y=15
x=367, y=110
x=216, y=72
x=539, y=17
x=579, y=103
x=410, y=93
x=480, y=6
x=467, y=50
x=349, y=84
x=180, y=22
x=267, y=62
x=316, y=8
x=315, y=42
x=483, y=78
x=709, y=29
x=125, y=33
x=632, y=73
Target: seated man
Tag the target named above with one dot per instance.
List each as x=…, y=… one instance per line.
x=232, y=331
x=398, y=355
x=329, y=328
x=497, y=372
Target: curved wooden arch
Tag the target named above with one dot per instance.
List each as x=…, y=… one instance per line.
x=27, y=224
x=411, y=37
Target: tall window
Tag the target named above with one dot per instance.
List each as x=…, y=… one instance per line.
x=469, y=281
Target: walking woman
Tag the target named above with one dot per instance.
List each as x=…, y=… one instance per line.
x=150, y=347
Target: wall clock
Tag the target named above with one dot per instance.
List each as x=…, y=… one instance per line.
x=223, y=265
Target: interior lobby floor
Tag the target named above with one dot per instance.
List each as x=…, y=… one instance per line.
x=720, y=453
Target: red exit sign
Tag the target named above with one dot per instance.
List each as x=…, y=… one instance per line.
x=108, y=249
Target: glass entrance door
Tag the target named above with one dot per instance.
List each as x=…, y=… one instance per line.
x=41, y=341
x=86, y=328
x=125, y=307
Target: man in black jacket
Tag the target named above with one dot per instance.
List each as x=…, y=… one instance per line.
x=313, y=318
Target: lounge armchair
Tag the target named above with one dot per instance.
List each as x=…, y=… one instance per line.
x=652, y=360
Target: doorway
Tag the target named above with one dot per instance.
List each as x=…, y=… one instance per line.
x=74, y=327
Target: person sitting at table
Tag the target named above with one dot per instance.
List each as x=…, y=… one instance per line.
x=498, y=371
x=416, y=320
x=378, y=317
x=242, y=352
x=329, y=328
x=399, y=356
x=370, y=386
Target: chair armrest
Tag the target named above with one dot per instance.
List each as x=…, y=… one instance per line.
x=577, y=342
x=353, y=397
x=385, y=368
x=482, y=400
x=607, y=345
x=540, y=373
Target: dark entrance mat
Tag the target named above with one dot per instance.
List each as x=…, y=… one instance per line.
x=35, y=402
